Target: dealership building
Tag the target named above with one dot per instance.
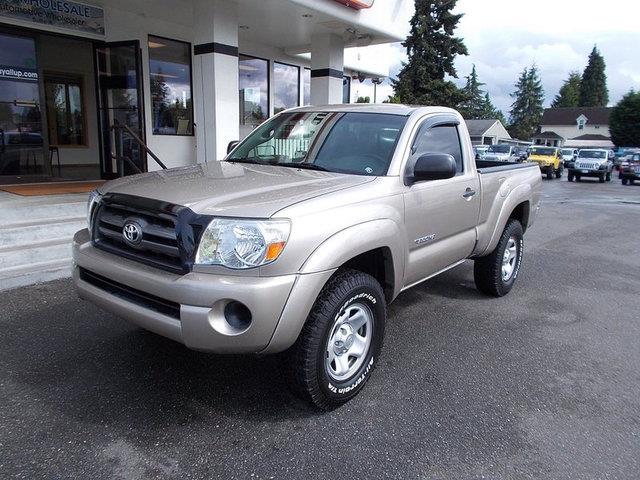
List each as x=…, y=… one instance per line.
x=96, y=91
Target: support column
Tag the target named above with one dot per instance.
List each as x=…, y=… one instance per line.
x=327, y=65
x=215, y=77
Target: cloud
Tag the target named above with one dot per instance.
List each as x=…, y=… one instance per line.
x=503, y=37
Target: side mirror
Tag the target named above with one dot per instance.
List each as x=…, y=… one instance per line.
x=232, y=145
x=434, y=166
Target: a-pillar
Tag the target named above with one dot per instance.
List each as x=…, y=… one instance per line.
x=327, y=66
x=215, y=77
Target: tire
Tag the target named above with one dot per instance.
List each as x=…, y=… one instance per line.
x=602, y=177
x=550, y=173
x=488, y=271
x=570, y=177
x=309, y=373
x=625, y=181
x=559, y=172
x=608, y=177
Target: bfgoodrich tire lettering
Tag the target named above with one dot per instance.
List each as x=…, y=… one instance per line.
x=496, y=273
x=305, y=363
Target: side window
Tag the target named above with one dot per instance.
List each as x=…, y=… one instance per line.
x=438, y=139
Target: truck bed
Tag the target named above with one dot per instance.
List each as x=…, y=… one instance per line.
x=487, y=166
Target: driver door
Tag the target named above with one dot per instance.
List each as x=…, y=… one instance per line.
x=441, y=215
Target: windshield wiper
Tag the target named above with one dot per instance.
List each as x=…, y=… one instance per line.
x=308, y=166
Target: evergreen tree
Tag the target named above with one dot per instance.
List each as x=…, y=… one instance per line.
x=593, y=88
x=527, y=108
x=624, y=123
x=474, y=105
x=569, y=94
x=431, y=50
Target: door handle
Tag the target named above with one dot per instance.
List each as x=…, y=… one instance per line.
x=468, y=193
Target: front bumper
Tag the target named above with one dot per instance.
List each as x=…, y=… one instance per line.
x=630, y=175
x=278, y=305
x=580, y=172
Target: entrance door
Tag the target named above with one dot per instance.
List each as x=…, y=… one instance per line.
x=120, y=108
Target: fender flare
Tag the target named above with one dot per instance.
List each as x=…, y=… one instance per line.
x=347, y=244
x=520, y=194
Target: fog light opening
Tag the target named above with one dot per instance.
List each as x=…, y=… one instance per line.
x=237, y=315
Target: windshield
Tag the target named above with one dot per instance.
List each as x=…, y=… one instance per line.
x=356, y=143
x=499, y=149
x=543, y=151
x=592, y=154
x=567, y=152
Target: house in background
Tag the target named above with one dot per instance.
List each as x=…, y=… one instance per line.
x=580, y=127
x=487, y=132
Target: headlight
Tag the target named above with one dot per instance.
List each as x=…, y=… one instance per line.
x=238, y=243
x=94, y=199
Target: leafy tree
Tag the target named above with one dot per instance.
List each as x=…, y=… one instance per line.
x=431, y=50
x=624, y=123
x=366, y=99
x=593, y=88
x=569, y=94
x=527, y=108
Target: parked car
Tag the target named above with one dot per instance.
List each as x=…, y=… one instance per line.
x=480, y=151
x=631, y=172
x=502, y=153
x=622, y=162
x=569, y=156
x=549, y=159
x=592, y=162
x=262, y=254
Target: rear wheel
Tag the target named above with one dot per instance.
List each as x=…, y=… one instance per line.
x=496, y=273
x=340, y=342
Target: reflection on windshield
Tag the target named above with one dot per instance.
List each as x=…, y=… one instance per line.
x=592, y=154
x=345, y=142
x=499, y=149
x=543, y=151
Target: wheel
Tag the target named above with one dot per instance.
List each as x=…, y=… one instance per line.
x=496, y=273
x=632, y=181
x=578, y=178
x=570, y=177
x=625, y=181
x=549, y=173
x=340, y=342
x=602, y=177
x=559, y=172
x=608, y=177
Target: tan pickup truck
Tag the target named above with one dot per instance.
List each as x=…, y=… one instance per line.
x=301, y=237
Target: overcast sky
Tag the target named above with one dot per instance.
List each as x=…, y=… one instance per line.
x=504, y=36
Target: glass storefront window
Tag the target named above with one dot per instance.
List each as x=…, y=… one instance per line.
x=170, y=72
x=254, y=90
x=286, y=86
x=65, y=112
x=306, y=86
x=21, y=140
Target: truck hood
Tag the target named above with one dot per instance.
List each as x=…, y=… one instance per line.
x=234, y=189
x=541, y=158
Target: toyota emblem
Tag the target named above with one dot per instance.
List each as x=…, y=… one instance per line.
x=132, y=233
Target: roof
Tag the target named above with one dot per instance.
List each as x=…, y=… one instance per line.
x=478, y=127
x=389, y=108
x=569, y=115
x=591, y=136
x=548, y=135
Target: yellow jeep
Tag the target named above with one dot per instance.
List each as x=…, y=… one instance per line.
x=549, y=159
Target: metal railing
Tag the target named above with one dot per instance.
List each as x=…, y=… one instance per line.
x=119, y=155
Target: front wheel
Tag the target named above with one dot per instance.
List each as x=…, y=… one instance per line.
x=625, y=181
x=559, y=172
x=570, y=176
x=550, y=173
x=496, y=273
x=340, y=342
x=608, y=177
x=602, y=177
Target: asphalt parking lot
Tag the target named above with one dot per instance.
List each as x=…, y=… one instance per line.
x=544, y=383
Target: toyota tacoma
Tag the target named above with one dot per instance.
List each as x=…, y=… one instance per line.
x=298, y=240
